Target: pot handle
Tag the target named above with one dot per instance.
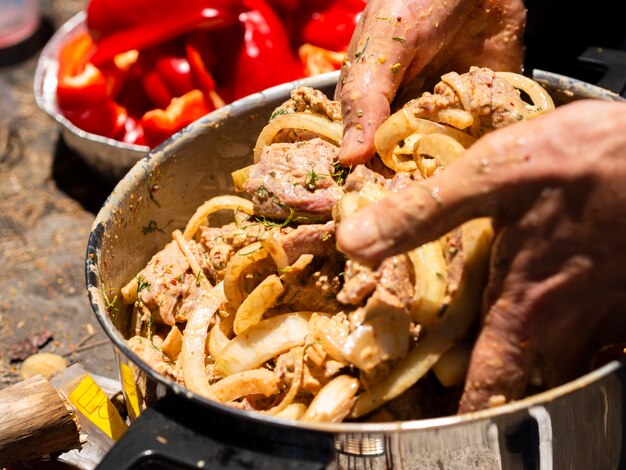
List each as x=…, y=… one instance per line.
x=612, y=62
x=178, y=433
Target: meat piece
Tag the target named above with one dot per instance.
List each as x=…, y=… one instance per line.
x=315, y=239
x=360, y=176
x=222, y=242
x=306, y=99
x=317, y=290
x=295, y=181
x=161, y=284
x=360, y=281
x=492, y=101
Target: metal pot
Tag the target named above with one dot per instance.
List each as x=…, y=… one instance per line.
x=577, y=425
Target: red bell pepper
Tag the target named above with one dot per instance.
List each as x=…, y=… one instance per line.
x=121, y=25
x=265, y=58
x=328, y=24
x=165, y=73
x=82, y=92
x=159, y=124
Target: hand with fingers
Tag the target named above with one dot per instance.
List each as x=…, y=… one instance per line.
x=398, y=40
x=555, y=189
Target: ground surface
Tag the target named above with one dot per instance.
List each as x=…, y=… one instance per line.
x=48, y=198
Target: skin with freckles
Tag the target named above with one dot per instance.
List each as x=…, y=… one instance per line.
x=554, y=187
x=397, y=40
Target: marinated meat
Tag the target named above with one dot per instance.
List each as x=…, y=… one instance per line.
x=294, y=181
x=222, y=242
x=315, y=239
x=306, y=99
x=161, y=284
x=492, y=101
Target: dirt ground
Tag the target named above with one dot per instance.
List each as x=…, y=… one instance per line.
x=48, y=198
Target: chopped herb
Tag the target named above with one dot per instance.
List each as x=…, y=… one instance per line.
x=383, y=18
x=262, y=192
x=452, y=250
x=341, y=274
x=278, y=112
x=151, y=227
x=110, y=303
x=249, y=252
x=399, y=39
x=439, y=275
x=198, y=277
x=311, y=179
x=273, y=174
x=359, y=54
x=152, y=188
x=359, y=113
x=181, y=278
x=340, y=173
x=287, y=221
x=150, y=323
x=395, y=68
x=326, y=236
x=141, y=285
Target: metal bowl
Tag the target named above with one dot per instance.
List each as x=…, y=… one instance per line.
x=110, y=158
x=577, y=425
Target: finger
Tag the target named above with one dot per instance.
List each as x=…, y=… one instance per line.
x=391, y=36
x=496, y=177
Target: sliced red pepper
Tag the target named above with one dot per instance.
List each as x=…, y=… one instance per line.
x=165, y=72
x=266, y=58
x=159, y=124
x=202, y=77
x=82, y=93
x=328, y=24
x=79, y=82
x=120, y=25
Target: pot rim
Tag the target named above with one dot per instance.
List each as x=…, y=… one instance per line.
x=159, y=154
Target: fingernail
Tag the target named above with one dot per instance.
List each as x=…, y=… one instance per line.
x=354, y=148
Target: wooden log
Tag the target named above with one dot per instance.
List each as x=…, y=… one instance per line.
x=35, y=421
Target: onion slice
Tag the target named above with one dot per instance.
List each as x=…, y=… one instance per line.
x=194, y=340
x=321, y=125
x=248, y=382
x=262, y=342
x=240, y=261
x=215, y=204
x=334, y=401
x=539, y=96
x=454, y=324
x=260, y=300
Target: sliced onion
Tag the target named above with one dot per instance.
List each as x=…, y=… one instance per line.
x=430, y=269
x=240, y=261
x=260, y=300
x=262, y=342
x=173, y=342
x=218, y=203
x=321, y=125
x=539, y=96
x=194, y=340
x=334, y=401
x=457, y=118
x=293, y=411
x=218, y=336
x=454, y=324
x=249, y=382
x=275, y=248
x=451, y=368
x=331, y=334
x=240, y=177
x=401, y=125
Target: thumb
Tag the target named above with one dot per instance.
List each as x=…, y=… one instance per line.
x=495, y=178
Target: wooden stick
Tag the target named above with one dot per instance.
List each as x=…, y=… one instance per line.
x=35, y=421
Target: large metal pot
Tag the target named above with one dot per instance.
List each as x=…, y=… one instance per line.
x=577, y=425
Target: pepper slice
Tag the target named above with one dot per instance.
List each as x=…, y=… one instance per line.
x=159, y=124
x=120, y=25
x=82, y=90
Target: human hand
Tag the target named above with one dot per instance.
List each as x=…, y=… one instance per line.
x=396, y=40
x=554, y=187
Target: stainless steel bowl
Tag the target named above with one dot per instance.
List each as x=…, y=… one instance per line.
x=577, y=425
x=108, y=157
